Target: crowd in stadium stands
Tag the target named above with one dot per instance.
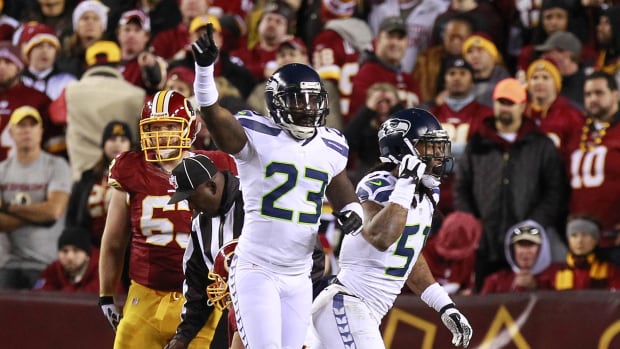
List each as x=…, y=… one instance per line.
x=527, y=90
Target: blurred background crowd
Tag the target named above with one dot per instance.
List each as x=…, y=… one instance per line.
x=527, y=89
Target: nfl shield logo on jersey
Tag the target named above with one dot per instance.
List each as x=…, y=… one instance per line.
x=173, y=182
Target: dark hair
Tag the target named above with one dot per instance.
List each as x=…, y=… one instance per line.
x=599, y=74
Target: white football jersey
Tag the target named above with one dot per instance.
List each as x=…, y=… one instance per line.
x=378, y=276
x=283, y=182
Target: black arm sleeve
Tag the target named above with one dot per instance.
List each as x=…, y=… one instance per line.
x=196, y=310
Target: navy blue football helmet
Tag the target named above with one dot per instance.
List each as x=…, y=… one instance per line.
x=297, y=100
x=416, y=131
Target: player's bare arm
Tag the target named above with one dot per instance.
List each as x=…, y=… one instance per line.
x=114, y=243
x=226, y=131
x=383, y=225
x=420, y=277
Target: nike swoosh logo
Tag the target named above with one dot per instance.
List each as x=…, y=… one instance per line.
x=377, y=183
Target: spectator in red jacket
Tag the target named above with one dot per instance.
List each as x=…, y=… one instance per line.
x=554, y=114
x=528, y=253
x=75, y=269
x=384, y=64
x=450, y=253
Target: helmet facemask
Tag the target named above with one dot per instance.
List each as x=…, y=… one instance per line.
x=164, y=145
x=167, y=127
x=217, y=292
x=434, y=148
x=301, y=112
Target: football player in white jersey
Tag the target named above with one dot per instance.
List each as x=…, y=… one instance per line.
x=398, y=198
x=287, y=162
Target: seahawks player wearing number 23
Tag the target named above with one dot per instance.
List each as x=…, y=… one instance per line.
x=287, y=162
x=398, y=199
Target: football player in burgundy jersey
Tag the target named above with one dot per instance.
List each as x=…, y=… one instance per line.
x=159, y=231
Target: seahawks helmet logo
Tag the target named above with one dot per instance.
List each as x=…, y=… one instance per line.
x=393, y=126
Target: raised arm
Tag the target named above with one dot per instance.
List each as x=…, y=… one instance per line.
x=226, y=131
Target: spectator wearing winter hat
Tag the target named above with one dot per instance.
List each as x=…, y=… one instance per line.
x=40, y=46
x=90, y=20
x=86, y=114
x=460, y=114
x=482, y=54
x=90, y=196
x=451, y=253
x=76, y=269
x=15, y=94
x=528, y=253
x=584, y=268
x=570, y=57
x=138, y=65
x=554, y=114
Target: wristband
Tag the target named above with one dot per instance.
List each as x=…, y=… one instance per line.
x=437, y=298
x=403, y=192
x=355, y=207
x=105, y=300
x=205, y=89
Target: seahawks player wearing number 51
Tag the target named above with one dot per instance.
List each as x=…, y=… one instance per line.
x=398, y=198
x=287, y=161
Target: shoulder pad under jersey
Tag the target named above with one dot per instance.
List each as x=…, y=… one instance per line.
x=376, y=186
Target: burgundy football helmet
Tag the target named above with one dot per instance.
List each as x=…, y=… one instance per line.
x=217, y=291
x=167, y=144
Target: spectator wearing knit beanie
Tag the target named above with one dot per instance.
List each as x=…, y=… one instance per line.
x=90, y=20
x=584, y=267
x=554, y=114
x=40, y=47
x=75, y=269
x=482, y=54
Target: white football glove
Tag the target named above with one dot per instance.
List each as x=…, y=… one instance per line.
x=110, y=311
x=412, y=167
x=457, y=324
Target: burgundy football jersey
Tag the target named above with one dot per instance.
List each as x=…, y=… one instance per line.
x=160, y=232
x=336, y=60
x=595, y=181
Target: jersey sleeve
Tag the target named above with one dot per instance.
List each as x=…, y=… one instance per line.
x=254, y=123
x=376, y=186
x=122, y=170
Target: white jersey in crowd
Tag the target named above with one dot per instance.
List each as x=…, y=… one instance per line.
x=378, y=276
x=283, y=182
